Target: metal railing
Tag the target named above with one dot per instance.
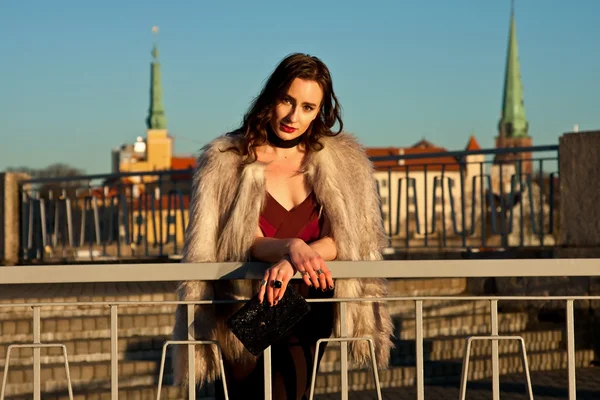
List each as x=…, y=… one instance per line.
x=227, y=271
x=469, y=200
x=462, y=200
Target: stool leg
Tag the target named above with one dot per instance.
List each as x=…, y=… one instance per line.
x=465, y=370
x=375, y=371
x=526, y=368
x=371, y=348
x=188, y=342
x=37, y=346
x=5, y=377
x=67, y=372
x=314, y=372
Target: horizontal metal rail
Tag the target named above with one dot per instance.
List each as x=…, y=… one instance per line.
x=168, y=272
x=464, y=153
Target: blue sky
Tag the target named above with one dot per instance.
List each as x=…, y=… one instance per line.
x=75, y=74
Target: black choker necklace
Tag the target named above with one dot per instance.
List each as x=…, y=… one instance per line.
x=276, y=141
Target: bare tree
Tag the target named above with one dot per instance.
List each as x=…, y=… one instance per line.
x=59, y=178
x=56, y=170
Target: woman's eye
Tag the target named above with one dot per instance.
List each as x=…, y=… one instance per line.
x=308, y=108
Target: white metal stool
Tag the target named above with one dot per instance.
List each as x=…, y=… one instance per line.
x=190, y=342
x=36, y=346
x=371, y=347
x=465, y=367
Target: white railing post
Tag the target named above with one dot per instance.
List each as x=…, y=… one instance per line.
x=571, y=349
x=495, y=355
x=191, y=353
x=37, y=387
x=267, y=373
x=114, y=353
x=419, y=348
x=343, y=349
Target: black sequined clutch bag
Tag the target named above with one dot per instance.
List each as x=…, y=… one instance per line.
x=258, y=325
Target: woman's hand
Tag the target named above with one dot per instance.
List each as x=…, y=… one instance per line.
x=275, y=281
x=311, y=265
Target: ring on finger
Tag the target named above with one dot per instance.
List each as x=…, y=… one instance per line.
x=277, y=284
x=263, y=282
x=304, y=273
x=319, y=271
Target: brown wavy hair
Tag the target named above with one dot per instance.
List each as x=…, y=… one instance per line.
x=254, y=126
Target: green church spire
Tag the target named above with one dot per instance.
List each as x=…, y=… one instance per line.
x=513, y=122
x=156, y=113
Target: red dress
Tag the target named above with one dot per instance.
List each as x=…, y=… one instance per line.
x=303, y=221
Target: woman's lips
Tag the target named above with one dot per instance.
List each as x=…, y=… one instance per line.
x=287, y=129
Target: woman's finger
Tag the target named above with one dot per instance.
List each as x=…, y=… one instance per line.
x=312, y=273
x=263, y=286
x=300, y=266
x=272, y=275
x=277, y=286
x=327, y=274
x=321, y=274
x=316, y=277
x=305, y=276
x=285, y=282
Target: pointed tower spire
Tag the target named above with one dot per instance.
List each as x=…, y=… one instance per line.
x=156, y=113
x=513, y=122
x=513, y=126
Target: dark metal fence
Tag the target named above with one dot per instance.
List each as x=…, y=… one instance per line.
x=464, y=200
x=477, y=200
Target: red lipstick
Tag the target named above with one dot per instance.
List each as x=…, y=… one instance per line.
x=287, y=129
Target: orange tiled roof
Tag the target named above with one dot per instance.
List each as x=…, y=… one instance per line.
x=383, y=152
x=183, y=162
x=421, y=147
x=424, y=147
x=448, y=163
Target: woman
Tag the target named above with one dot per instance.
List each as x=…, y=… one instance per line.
x=284, y=189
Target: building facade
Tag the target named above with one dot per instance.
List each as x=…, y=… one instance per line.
x=426, y=195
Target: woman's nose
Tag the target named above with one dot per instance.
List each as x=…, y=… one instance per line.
x=293, y=115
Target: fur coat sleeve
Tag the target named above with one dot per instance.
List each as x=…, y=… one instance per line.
x=226, y=202
x=209, y=207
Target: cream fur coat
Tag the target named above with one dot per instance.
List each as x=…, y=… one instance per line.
x=227, y=199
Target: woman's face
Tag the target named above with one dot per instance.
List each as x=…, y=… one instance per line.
x=297, y=109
